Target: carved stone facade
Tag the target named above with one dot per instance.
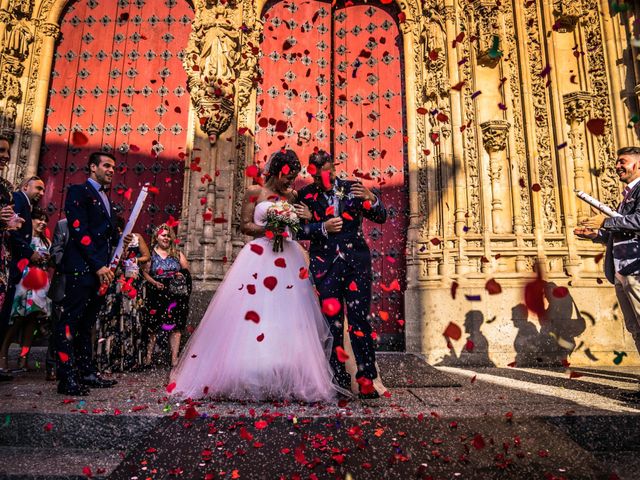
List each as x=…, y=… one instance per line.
x=508, y=109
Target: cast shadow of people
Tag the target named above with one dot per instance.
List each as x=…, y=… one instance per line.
x=560, y=324
x=476, y=349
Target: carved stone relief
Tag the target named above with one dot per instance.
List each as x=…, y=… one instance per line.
x=212, y=61
x=599, y=84
x=546, y=177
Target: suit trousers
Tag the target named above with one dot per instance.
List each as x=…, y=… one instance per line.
x=73, y=332
x=5, y=311
x=335, y=284
x=628, y=293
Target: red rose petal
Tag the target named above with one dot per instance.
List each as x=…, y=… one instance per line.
x=252, y=316
x=331, y=306
x=251, y=289
x=341, y=354
x=86, y=240
x=79, y=139
x=260, y=337
x=255, y=248
x=270, y=282
x=493, y=287
x=453, y=331
x=304, y=273
x=280, y=262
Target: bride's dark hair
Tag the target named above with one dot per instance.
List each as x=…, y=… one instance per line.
x=281, y=158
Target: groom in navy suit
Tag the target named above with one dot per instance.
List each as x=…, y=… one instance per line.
x=341, y=261
x=92, y=235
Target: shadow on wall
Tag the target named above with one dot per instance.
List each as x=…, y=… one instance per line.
x=476, y=349
x=560, y=325
x=548, y=342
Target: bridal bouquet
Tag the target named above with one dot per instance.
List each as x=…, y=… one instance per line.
x=280, y=217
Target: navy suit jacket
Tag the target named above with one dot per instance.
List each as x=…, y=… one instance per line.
x=626, y=227
x=92, y=231
x=20, y=239
x=350, y=240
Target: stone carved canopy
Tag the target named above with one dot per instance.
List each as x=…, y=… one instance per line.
x=494, y=135
x=577, y=106
x=567, y=13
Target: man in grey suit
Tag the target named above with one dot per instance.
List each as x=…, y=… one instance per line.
x=56, y=289
x=621, y=235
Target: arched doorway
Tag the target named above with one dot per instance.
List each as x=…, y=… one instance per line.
x=332, y=78
x=118, y=84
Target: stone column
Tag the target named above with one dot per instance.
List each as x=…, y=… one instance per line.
x=494, y=139
x=577, y=106
x=49, y=33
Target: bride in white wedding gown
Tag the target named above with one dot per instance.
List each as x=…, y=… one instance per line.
x=263, y=336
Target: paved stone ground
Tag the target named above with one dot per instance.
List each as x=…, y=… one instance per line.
x=487, y=423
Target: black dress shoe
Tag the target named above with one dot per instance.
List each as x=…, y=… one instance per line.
x=369, y=396
x=94, y=381
x=633, y=396
x=71, y=387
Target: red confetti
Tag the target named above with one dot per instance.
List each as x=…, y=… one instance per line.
x=341, y=354
x=255, y=248
x=536, y=187
x=260, y=337
x=280, y=262
x=304, y=273
x=36, y=279
x=596, y=126
x=261, y=424
x=560, y=292
x=270, y=282
x=171, y=387
x=252, y=316
x=64, y=358
x=86, y=240
x=79, y=139
x=453, y=331
x=251, y=289
x=331, y=306
x=22, y=264
x=534, y=296
x=493, y=287
x=353, y=286
x=252, y=171
x=478, y=442
x=454, y=289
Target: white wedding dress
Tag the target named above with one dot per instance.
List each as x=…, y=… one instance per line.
x=263, y=336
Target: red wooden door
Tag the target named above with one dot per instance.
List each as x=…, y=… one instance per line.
x=332, y=79
x=118, y=85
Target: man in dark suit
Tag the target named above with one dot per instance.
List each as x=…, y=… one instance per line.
x=19, y=242
x=340, y=262
x=621, y=235
x=92, y=234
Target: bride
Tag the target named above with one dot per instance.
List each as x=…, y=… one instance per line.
x=263, y=336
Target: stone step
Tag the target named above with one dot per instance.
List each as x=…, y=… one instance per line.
x=29, y=463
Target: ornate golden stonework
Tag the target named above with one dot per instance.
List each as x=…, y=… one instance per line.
x=490, y=190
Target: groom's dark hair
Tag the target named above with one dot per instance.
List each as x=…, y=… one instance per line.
x=320, y=158
x=282, y=158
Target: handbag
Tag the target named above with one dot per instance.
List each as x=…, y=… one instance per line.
x=178, y=286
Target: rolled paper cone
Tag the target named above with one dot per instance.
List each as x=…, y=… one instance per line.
x=137, y=208
x=597, y=204
x=115, y=259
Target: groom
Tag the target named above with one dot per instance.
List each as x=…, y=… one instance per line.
x=341, y=262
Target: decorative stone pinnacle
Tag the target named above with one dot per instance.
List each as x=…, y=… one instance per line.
x=494, y=135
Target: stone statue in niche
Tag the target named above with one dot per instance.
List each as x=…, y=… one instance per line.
x=21, y=8
x=17, y=38
x=211, y=62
